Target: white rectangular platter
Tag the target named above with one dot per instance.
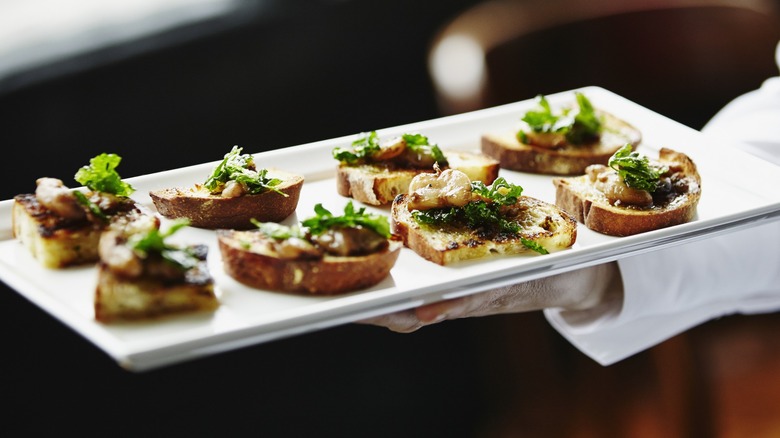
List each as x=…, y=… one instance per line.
x=248, y=316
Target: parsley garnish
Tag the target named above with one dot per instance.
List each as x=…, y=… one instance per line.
x=635, y=169
x=543, y=119
x=277, y=231
x=420, y=145
x=477, y=214
x=586, y=124
x=362, y=149
x=534, y=246
x=241, y=168
x=94, y=208
x=577, y=126
x=154, y=242
x=482, y=215
x=324, y=219
x=101, y=176
x=501, y=191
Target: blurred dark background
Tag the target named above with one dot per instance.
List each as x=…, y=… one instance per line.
x=280, y=73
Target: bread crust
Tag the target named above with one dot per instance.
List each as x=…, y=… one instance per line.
x=590, y=207
x=329, y=275
x=122, y=299
x=379, y=184
x=205, y=210
x=57, y=242
x=540, y=222
x=565, y=160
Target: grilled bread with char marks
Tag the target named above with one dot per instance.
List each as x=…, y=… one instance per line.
x=374, y=172
x=325, y=255
x=379, y=184
x=212, y=211
x=58, y=242
x=554, y=153
x=248, y=258
x=533, y=225
x=132, y=288
x=590, y=205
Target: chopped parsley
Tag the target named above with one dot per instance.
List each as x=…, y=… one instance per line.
x=367, y=145
x=576, y=126
x=101, y=176
x=153, y=242
x=277, y=231
x=420, y=145
x=93, y=208
x=475, y=215
x=241, y=168
x=501, y=191
x=483, y=215
x=534, y=246
x=362, y=149
x=324, y=219
x=635, y=169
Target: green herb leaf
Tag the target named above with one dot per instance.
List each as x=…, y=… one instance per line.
x=361, y=149
x=482, y=214
x=474, y=215
x=501, y=191
x=542, y=119
x=277, y=231
x=578, y=126
x=154, y=242
x=420, y=145
x=101, y=176
x=586, y=124
x=94, y=208
x=324, y=219
x=241, y=168
x=534, y=246
x=635, y=169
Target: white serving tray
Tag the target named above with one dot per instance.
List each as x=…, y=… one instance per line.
x=737, y=191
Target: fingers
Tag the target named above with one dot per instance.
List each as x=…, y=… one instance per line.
x=584, y=289
x=400, y=322
x=412, y=320
x=440, y=311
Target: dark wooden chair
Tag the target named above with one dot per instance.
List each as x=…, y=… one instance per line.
x=682, y=58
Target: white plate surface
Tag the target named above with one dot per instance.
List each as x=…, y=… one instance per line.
x=248, y=316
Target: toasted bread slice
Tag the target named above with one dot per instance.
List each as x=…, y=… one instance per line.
x=206, y=210
x=148, y=294
x=248, y=259
x=379, y=184
x=541, y=223
x=57, y=242
x=120, y=299
x=567, y=159
x=590, y=206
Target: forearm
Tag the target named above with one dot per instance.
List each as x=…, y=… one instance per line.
x=593, y=290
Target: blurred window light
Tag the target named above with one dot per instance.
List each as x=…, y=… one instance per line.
x=457, y=65
x=37, y=32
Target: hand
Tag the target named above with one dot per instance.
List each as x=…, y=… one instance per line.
x=593, y=289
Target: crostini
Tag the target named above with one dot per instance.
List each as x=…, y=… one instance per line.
x=235, y=192
x=374, y=172
x=324, y=255
x=143, y=276
x=633, y=194
x=446, y=218
x=561, y=142
x=61, y=226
